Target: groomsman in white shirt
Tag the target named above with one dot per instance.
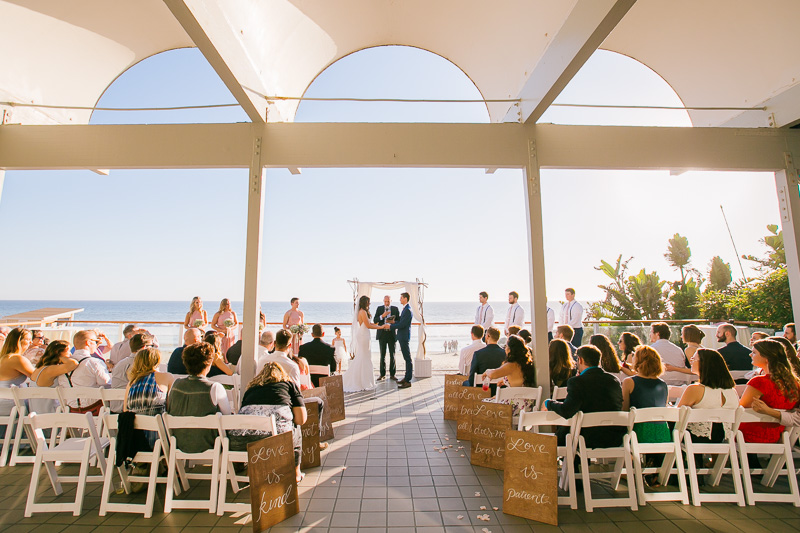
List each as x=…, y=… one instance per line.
x=572, y=315
x=484, y=316
x=465, y=358
x=516, y=314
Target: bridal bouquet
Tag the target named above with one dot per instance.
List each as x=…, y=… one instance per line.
x=228, y=323
x=198, y=322
x=299, y=329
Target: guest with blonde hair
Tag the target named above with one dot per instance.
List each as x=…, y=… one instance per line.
x=14, y=367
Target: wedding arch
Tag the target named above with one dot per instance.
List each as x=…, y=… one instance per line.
x=415, y=290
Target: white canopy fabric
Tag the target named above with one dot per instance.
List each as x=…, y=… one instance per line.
x=414, y=290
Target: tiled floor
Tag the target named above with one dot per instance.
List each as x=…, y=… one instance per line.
x=382, y=473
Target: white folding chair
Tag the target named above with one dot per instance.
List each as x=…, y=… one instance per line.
x=559, y=393
x=724, y=452
x=80, y=450
x=10, y=422
x=233, y=391
x=153, y=458
x=237, y=386
x=739, y=374
x=532, y=420
x=673, y=460
x=780, y=463
x=740, y=389
x=22, y=401
x=177, y=457
x=478, y=382
x=227, y=471
x=520, y=393
x=112, y=395
x=319, y=370
x=674, y=393
x=621, y=455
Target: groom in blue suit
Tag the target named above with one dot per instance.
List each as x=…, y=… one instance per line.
x=403, y=330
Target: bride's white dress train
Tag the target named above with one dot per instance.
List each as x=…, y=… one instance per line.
x=360, y=374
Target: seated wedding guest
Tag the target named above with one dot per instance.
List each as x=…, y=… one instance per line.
x=119, y=376
x=692, y=336
x=715, y=390
x=526, y=336
x=790, y=333
x=513, y=330
x=627, y=345
x=266, y=343
x=592, y=390
x=757, y=336
x=566, y=333
x=219, y=367
x=318, y=352
x=91, y=372
x=609, y=360
x=305, y=372
x=121, y=350
x=283, y=340
x=273, y=393
x=4, y=331
x=778, y=388
x=14, y=368
x=517, y=371
x=235, y=352
x=146, y=393
x=465, y=357
x=55, y=362
x=786, y=418
x=175, y=363
x=195, y=395
x=36, y=350
x=791, y=353
x=736, y=355
x=492, y=356
x=670, y=353
x=561, y=365
x=197, y=316
x=646, y=389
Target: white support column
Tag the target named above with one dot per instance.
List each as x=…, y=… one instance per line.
x=533, y=203
x=252, y=269
x=786, y=182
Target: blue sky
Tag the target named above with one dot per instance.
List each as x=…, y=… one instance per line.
x=171, y=234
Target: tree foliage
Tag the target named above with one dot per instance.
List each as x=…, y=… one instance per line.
x=630, y=297
x=719, y=274
x=776, y=255
x=685, y=295
x=679, y=255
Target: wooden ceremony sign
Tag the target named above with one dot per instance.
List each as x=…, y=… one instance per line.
x=326, y=427
x=335, y=389
x=490, y=421
x=467, y=398
x=310, y=431
x=273, y=487
x=452, y=384
x=530, y=480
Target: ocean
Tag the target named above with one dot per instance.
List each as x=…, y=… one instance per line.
x=326, y=312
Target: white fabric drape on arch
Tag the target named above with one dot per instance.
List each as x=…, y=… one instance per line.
x=364, y=288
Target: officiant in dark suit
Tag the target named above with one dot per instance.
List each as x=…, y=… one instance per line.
x=318, y=352
x=386, y=337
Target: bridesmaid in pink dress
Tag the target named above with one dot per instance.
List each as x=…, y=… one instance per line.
x=196, y=312
x=224, y=314
x=294, y=317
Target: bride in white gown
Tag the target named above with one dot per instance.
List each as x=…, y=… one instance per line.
x=360, y=374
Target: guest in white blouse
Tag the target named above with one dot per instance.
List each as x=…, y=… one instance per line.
x=670, y=353
x=465, y=358
x=484, y=316
x=516, y=314
x=572, y=315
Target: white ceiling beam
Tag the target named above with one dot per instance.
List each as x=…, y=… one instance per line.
x=318, y=145
x=582, y=33
x=214, y=37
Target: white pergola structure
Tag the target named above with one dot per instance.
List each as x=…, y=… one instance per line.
x=737, y=56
